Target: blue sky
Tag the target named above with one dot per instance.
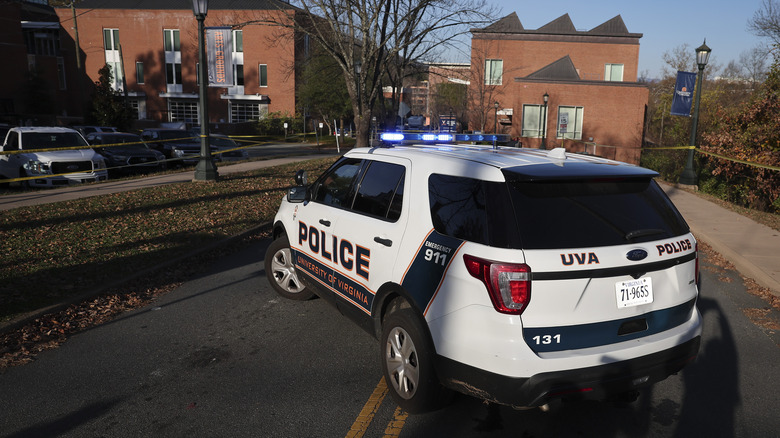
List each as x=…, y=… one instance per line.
x=665, y=24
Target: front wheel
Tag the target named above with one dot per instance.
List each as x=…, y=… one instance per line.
x=280, y=270
x=407, y=363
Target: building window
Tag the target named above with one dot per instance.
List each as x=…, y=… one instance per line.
x=43, y=41
x=111, y=48
x=138, y=108
x=181, y=110
x=238, y=60
x=247, y=111
x=263, y=71
x=572, y=115
x=494, y=70
x=613, y=72
x=239, y=77
x=172, y=45
x=61, y=73
x=534, y=121
x=139, y=72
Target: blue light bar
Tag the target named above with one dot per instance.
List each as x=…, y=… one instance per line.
x=392, y=136
x=443, y=138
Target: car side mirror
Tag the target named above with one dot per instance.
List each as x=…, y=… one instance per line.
x=300, y=178
x=297, y=194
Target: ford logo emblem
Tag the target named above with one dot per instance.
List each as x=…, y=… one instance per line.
x=636, y=255
x=72, y=167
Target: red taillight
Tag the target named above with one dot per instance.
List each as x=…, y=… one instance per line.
x=508, y=284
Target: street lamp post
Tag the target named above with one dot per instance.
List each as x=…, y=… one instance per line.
x=495, y=120
x=688, y=176
x=205, y=170
x=546, y=97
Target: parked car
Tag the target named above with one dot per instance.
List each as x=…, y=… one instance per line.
x=176, y=144
x=85, y=130
x=49, y=160
x=517, y=276
x=227, y=147
x=127, y=153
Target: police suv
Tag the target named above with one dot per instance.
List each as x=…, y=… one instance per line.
x=517, y=276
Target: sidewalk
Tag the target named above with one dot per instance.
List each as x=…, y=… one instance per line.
x=37, y=197
x=754, y=249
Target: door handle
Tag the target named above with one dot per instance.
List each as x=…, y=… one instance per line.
x=325, y=222
x=381, y=241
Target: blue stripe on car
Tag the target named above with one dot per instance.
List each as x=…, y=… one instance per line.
x=547, y=339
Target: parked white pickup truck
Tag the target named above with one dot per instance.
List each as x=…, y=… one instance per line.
x=46, y=162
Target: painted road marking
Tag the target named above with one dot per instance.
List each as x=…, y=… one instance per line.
x=360, y=426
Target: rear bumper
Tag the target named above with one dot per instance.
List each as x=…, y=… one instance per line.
x=596, y=382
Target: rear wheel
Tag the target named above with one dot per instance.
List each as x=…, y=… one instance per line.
x=407, y=362
x=280, y=270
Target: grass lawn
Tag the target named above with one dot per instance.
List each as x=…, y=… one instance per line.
x=58, y=252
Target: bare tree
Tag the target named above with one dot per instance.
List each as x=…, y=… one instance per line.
x=766, y=21
x=368, y=37
x=754, y=65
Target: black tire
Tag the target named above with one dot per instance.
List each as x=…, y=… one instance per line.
x=407, y=362
x=280, y=270
x=26, y=183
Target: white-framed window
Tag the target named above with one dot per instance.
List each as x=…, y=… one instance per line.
x=183, y=110
x=262, y=71
x=138, y=107
x=111, y=48
x=573, y=117
x=172, y=45
x=494, y=71
x=247, y=111
x=534, y=121
x=613, y=72
x=238, y=61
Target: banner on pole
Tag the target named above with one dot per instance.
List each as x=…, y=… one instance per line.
x=683, y=94
x=219, y=48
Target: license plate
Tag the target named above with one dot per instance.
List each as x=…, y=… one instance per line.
x=634, y=292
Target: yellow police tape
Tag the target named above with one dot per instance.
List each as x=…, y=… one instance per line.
x=167, y=160
x=722, y=157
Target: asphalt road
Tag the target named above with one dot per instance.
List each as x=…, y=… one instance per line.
x=224, y=356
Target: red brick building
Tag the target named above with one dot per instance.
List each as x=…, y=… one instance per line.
x=594, y=102
x=152, y=49
x=34, y=83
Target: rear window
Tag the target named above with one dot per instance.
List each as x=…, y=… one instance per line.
x=521, y=214
x=588, y=213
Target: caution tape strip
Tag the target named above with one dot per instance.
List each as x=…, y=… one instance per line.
x=167, y=160
x=713, y=154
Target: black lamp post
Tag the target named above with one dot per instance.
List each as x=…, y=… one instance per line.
x=495, y=120
x=205, y=170
x=546, y=97
x=688, y=176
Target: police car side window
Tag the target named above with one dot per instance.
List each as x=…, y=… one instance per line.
x=335, y=186
x=458, y=207
x=379, y=195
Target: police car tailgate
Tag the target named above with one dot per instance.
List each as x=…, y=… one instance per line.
x=582, y=298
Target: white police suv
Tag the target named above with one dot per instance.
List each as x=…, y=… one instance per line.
x=517, y=276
